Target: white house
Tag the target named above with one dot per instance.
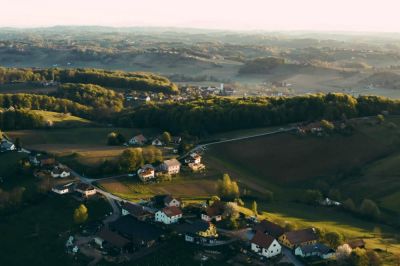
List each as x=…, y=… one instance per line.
x=138, y=140
x=85, y=189
x=157, y=142
x=62, y=189
x=170, y=201
x=59, y=172
x=317, y=249
x=171, y=166
x=265, y=245
x=146, y=173
x=168, y=215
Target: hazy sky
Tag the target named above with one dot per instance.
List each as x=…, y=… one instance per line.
x=350, y=15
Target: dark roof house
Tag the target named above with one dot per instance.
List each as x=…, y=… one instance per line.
x=269, y=228
x=262, y=240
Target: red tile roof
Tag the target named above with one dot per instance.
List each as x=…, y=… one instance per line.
x=262, y=240
x=301, y=236
x=172, y=211
x=269, y=228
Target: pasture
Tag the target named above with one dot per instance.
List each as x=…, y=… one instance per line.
x=132, y=189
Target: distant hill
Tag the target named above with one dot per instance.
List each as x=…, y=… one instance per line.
x=388, y=80
x=261, y=65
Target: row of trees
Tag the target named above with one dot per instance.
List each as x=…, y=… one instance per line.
x=133, y=158
x=227, y=188
x=114, y=79
x=44, y=102
x=92, y=95
x=20, y=119
x=204, y=116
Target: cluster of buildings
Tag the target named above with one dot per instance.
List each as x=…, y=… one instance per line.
x=144, y=227
x=270, y=238
x=46, y=165
x=141, y=140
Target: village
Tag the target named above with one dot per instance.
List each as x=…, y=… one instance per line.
x=136, y=229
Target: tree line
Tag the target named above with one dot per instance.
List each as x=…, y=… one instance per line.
x=206, y=116
x=114, y=79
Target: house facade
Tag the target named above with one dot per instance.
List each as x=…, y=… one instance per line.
x=213, y=212
x=59, y=172
x=62, y=189
x=157, y=142
x=168, y=215
x=314, y=250
x=146, y=173
x=85, y=190
x=138, y=140
x=170, y=201
x=265, y=245
x=171, y=167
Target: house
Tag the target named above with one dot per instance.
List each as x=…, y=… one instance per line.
x=329, y=202
x=62, y=189
x=193, y=158
x=135, y=210
x=146, y=173
x=59, y=172
x=157, y=142
x=269, y=228
x=317, y=249
x=171, y=166
x=213, y=212
x=357, y=243
x=296, y=238
x=6, y=145
x=170, y=201
x=265, y=245
x=168, y=215
x=138, y=140
x=85, y=189
x=141, y=234
x=196, y=166
x=144, y=98
x=106, y=238
x=199, y=232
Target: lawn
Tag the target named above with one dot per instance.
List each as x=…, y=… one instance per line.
x=62, y=120
x=36, y=234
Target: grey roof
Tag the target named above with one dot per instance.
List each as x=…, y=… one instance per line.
x=317, y=247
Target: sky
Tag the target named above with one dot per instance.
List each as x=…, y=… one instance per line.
x=269, y=15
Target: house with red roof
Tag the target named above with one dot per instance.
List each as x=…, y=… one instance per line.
x=265, y=245
x=168, y=215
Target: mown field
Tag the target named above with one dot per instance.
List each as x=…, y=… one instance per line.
x=131, y=188
x=88, y=145
x=62, y=120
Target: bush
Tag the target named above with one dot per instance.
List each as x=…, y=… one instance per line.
x=311, y=196
x=333, y=239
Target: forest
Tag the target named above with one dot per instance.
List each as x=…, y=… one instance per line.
x=139, y=81
x=202, y=117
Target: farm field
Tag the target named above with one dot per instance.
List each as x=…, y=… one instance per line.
x=130, y=188
x=87, y=144
x=268, y=159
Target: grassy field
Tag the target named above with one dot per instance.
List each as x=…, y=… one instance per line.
x=36, y=234
x=62, y=120
x=88, y=145
x=132, y=189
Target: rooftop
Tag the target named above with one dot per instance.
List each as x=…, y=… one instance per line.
x=262, y=240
